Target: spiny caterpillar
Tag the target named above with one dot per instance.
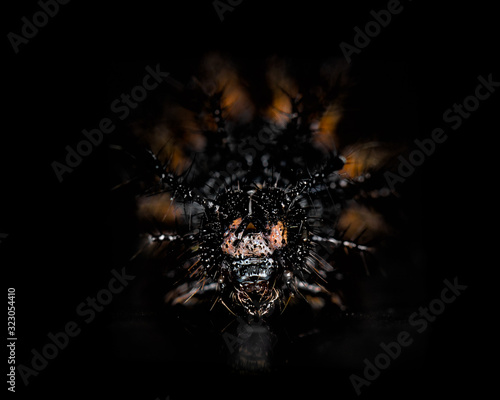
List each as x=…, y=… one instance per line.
x=251, y=202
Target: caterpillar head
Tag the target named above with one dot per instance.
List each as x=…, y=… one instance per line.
x=258, y=237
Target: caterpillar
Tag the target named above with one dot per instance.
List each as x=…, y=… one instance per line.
x=250, y=199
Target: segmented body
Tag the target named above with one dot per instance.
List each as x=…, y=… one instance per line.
x=253, y=201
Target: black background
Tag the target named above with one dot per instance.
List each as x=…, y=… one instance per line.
x=61, y=235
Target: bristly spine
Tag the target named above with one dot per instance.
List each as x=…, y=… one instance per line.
x=269, y=189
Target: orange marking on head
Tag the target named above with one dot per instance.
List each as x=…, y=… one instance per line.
x=255, y=244
x=230, y=237
x=278, y=236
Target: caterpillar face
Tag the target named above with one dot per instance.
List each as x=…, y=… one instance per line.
x=259, y=230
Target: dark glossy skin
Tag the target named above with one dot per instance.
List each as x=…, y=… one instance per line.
x=259, y=230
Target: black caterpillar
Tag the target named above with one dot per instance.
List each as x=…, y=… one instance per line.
x=251, y=207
